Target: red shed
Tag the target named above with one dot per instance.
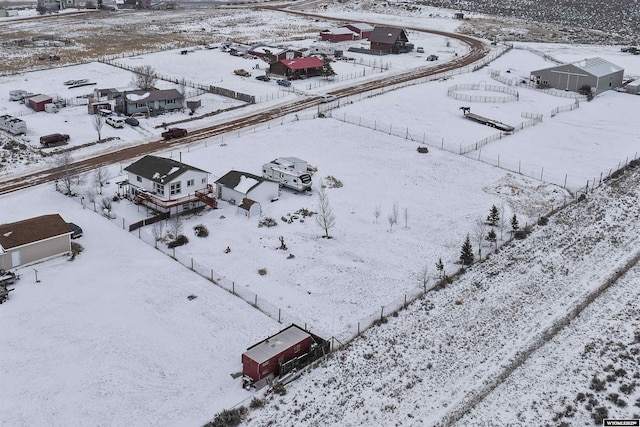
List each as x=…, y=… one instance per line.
x=340, y=34
x=38, y=102
x=294, y=68
x=364, y=30
x=263, y=360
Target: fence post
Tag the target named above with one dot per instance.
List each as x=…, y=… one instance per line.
x=565, y=181
x=233, y=287
x=255, y=304
x=518, y=166
x=123, y=223
x=279, y=312
x=358, y=328
x=381, y=313
x=405, y=300
x=191, y=263
x=541, y=171
x=211, y=277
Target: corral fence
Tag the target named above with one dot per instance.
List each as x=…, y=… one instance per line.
x=453, y=92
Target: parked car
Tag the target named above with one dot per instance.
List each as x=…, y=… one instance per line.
x=432, y=58
x=263, y=78
x=242, y=73
x=285, y=83
x=75, y=229
x=420, y=50
x=174, y=133
x=116, y=122
x=53, y=139
x=328, y=98
x=131, y=121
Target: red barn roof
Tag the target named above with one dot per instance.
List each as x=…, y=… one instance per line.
x=302, y=63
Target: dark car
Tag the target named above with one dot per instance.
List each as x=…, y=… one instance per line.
x=76, y=230
x=174, y=133
x=263, y=78
x=53, y=139
x=285, y=83
x=131, y=121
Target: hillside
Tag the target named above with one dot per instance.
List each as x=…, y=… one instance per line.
x=427, y=365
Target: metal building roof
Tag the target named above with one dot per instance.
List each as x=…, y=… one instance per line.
x=276, y=344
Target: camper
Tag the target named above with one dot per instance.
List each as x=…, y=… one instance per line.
x=290, y=172
x=13, y=125
x=17, y=95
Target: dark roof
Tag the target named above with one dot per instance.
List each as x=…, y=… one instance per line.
x=302, y=63
x=246, y=204
x=154, y=95
x=32, y=230
x=387, y=35
x=159, y=169
x=232, y=178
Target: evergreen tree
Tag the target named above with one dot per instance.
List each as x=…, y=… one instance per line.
x=440, y=267
x=492, y=237
x=466, y=254
x=327, y=71
x=514, y=223
x=494, y=216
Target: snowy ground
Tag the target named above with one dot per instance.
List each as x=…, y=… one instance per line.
x=73, y=349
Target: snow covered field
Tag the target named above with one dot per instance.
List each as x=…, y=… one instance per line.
x=116, y=340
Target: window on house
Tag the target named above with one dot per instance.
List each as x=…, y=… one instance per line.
x=175, y=188
x=191, y=182
x=204, y=180
x=138, y=178
x=296, y=348
x=158, y=188
x=265, y=364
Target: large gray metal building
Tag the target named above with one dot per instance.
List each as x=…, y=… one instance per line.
x=598, y=73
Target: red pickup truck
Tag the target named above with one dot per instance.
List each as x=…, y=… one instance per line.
x=174, y=133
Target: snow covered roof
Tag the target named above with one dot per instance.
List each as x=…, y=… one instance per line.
x=337, y=30
x=32, y=230
x=159, y=169
x=362, y=27
x=242, y=182
x=597, y=66
x=276, y=344
x=265, y=49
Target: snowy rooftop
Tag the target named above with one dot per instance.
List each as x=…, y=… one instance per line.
x=276, y=344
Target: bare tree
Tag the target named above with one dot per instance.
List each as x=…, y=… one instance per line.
x=394, y=212
x=145, y=77
x=325, y=217
x=502, y=221
x=69, y=181
x=175, y=226
x=391, y=222
x=424, y=278
x=90, y=194
x=99, y=178
x=440, y=268
x=478, y=234
x=182, y=88
x=376, y=212
x=98, y=122
x=156, y=229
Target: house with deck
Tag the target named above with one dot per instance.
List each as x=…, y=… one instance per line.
x=169, y=186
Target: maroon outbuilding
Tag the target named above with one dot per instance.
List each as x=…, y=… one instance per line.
x=38, y=102
x=263, y=360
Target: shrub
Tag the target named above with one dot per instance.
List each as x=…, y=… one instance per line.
x=267, y=222
x=201, y=230
x=181, y=240
x=228, y=418
x=333, y=182
x=423, y=150
x=597, y=384
x=76, y=249
x=280, y=389
x=543, y=220
x=599, y=414
x=106, y=203
x=262, y=271
x=256, y=403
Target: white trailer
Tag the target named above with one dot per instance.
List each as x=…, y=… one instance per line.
x=288, y=173
x=13, y=125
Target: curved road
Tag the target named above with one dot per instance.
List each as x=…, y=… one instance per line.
x=477, y=51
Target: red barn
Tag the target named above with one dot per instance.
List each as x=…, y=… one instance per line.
x=335, y=35
x=38, y=102
x=263, y=360
x=363, y=30
x=296, y=68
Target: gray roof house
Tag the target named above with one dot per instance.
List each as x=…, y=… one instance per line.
x=596, y=72
x=164, y=184
x=33, y=240
x=148, y=101
x=235, y=186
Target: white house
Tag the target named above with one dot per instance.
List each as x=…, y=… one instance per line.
x=235, y=186
x=165, y=184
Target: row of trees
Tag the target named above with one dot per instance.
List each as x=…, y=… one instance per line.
x=495, y=219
